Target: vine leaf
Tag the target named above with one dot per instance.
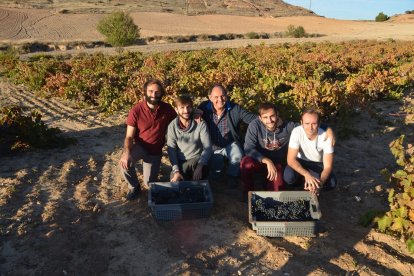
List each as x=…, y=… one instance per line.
x=410, y=245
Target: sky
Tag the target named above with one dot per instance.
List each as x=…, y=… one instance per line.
x=354, y=9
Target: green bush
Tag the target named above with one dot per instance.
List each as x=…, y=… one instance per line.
x=381, y=17
x=19, y=130
x=295, y=31
x=252, y=35
x=119, y=29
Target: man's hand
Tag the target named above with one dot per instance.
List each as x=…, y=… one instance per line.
x=177, y=177
x=126, y=160
x=198, y=172
x=271, y=169
x=197, y=115
x=312, y=183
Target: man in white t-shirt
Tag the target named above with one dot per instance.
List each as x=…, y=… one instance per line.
x=310, y=155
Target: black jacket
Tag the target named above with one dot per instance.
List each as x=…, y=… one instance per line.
x=235, y=115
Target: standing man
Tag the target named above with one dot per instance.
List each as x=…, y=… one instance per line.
x=310, y=155
x=223, y=119
x=189, y=145
x=266, y=146
x=147, y=124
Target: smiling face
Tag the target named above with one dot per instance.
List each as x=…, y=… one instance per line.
x=184, y=110
x=310, y=123
x=269, y=118
x=218, y=97
x=153, y=94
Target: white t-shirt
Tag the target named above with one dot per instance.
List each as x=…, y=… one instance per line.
x=310, y=150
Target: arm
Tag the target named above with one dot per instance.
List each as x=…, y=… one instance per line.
x=330, y=135
x=311, y=183
x=246, y=116
x=205, y=154
x=126, y=157
x=327, y=167
x=251, y=141
x=271, y=168
x=172, y=153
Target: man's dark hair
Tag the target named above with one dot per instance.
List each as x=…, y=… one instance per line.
x=311, y=110
x=218, y=85
x=154, y=81
x=183, y=99
x=266, y=106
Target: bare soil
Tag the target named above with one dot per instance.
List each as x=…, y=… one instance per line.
x=63, y=212
x=49, y=27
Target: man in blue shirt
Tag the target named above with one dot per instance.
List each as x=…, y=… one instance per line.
x=223, y=119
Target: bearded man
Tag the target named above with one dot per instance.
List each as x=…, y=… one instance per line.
x=188, y=142
x=147, y=125
x=266, y=145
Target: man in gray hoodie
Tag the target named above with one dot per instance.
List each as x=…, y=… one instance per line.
x=266, y=145
x=188, y=142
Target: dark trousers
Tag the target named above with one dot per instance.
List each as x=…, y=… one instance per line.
x=291, y=177
x=150, y=164
x=188, y=167
x=250, y=167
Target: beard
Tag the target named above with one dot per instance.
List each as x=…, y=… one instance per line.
x=185, y=117
x=154, y=101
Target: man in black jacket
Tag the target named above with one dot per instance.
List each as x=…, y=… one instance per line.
x=223, y=119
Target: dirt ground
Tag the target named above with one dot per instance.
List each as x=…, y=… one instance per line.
x=63, y=212
x=21, y=25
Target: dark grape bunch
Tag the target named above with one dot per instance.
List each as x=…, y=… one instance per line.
x=269, y=209
x=178, y=196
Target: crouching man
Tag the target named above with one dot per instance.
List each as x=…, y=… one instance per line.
x=310, y=155
x=266, y=147
x=189, y=144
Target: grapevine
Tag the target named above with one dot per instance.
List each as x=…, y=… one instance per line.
x=269, y=209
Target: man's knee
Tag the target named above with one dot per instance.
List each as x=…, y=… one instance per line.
x=235, y=154
x=289, y=176
x=247, y=163
x=331, y=183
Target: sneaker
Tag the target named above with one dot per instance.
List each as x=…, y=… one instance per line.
x=132, y=194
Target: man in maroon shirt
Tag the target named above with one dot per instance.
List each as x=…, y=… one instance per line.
x=147, y=125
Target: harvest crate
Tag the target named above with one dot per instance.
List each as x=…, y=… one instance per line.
x=286, y=228
x=174, y=209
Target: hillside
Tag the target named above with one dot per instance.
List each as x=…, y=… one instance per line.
x=267, y=8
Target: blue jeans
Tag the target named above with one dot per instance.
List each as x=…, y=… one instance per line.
x=233, y=153
x=291, y=177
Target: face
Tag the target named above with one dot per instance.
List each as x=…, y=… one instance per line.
x=153, y=94
x=269, y=119
x=184, y=111
x=218, y=97
x=310, y=124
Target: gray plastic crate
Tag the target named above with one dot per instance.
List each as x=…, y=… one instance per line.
x=166, y=212
x=286, y=228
